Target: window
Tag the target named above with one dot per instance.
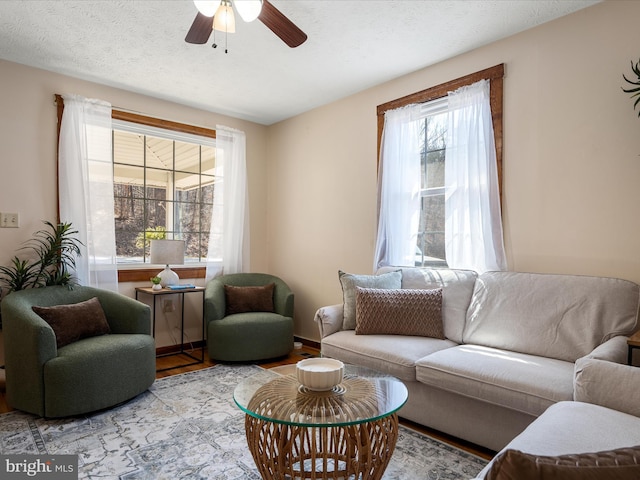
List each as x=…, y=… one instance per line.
x=430, y=237
x=131, y=191
x=164, y=185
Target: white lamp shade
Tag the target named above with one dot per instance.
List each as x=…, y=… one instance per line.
x=207, y=8
x=249, y=10
x=167, y=252
x=224, y=20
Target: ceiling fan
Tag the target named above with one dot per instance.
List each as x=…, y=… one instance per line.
x=218, y=14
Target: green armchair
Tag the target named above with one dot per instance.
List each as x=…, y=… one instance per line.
x=86, y=375
x=248, y=336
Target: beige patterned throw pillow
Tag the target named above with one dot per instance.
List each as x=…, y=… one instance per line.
x=399, y=312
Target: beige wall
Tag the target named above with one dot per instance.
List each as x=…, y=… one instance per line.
x=28, y=162
x=571, y=161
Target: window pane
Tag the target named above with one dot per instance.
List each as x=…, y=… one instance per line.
x=187, y=217
x=208, y=160
x=436, y=132
x=434, y=169
x=128, y=225
x=161, y=193
x=187, y=182
x=431, y=235
x=187, y=157
x=156, y=213
x=128, y=148
x=159, y=153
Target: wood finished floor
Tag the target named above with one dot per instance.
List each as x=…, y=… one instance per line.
x=292, y=358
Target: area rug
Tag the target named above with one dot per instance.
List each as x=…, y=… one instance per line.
x=188, y=427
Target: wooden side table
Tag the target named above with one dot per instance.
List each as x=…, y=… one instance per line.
x=633, y=342
x=166, y=291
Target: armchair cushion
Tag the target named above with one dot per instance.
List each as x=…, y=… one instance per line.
x=249, y=299
x=75, y=321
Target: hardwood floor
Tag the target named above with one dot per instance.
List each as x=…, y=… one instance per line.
x=294, y=357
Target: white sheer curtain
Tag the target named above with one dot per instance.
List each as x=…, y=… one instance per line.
x=399, y=188
x=229, y=234
x=473, y=226
x=85, y=186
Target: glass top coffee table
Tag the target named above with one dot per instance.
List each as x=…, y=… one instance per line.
x=347, y=432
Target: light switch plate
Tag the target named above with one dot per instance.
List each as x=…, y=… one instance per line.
x=9, y=220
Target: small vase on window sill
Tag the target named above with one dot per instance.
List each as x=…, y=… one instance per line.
x=156, y=283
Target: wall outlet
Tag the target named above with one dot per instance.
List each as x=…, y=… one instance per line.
x=167, y=306
x=9, y=220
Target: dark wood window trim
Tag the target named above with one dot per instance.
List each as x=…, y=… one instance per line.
x=143, y=274
x=494, y=74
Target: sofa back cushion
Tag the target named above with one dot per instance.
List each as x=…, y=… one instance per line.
x=555, y=316
x=457, y=287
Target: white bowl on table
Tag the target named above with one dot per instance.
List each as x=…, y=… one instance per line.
x=319, y=374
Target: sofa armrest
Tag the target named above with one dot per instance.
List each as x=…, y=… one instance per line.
x=329, y=319
x=125, y=314
x=613, y=350
x=608, y=384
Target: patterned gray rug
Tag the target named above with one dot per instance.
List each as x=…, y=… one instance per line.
x=188, y=427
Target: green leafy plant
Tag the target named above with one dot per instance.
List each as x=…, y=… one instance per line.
x=53, y=254
x=635, y=90
x=155, y=280
x=154, y=233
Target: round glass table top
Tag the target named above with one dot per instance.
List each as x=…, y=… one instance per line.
x=364, y=395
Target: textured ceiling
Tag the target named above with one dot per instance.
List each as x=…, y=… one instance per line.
x=139, y=45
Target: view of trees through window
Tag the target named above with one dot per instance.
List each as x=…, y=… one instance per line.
x=430, y=244
x=163, y=188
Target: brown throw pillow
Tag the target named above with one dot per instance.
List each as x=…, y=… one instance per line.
x=248, y=299
x=75, y=321
x=399, y=312
x=619, y=464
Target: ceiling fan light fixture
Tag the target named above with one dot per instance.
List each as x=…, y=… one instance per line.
x=248, y=10
x=208, y=8
x=224, y=20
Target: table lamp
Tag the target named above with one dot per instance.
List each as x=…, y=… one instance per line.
x=167, y=252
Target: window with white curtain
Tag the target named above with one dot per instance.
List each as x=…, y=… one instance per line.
x=421, y=239
x=164, y=183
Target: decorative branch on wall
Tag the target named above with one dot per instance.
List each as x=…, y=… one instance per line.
x=636, y=89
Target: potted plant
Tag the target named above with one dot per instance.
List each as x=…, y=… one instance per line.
x=635, y=90
x=52, y=257
x=156, y=283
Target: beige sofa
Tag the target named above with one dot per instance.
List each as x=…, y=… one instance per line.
x=512, y=344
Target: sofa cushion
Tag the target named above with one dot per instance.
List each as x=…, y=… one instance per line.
x=457, y=287
x=619, y=464
x=521, y=382
x=382, y=352
x=555, y=316
x=399, y=312
x=349, y=283
x=248, y=299
x=75, y=321
x=575, y=427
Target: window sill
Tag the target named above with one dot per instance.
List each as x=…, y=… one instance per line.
x=144, y=274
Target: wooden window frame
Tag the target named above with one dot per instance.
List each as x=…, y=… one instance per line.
x=495, y=76
x=141, y=274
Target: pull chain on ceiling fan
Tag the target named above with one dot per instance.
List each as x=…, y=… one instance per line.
x=223, y=20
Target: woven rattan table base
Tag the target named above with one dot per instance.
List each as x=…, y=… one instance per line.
x=359, y=451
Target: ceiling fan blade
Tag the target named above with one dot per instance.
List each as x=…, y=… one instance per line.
x=200, y=29
x=284, y=28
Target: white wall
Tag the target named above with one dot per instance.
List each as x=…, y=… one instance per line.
x=571, y=161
